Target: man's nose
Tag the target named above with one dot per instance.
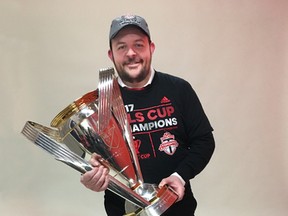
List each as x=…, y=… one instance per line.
x=130, y=52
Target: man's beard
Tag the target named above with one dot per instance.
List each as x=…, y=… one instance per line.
x=124, y=75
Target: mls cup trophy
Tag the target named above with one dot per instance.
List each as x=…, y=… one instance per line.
x=97, y=123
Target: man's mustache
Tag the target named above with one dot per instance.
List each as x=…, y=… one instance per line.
x=133, y=60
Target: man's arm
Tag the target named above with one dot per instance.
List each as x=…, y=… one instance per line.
x=200, y=153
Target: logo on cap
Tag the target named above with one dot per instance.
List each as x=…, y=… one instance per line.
x=129, y=19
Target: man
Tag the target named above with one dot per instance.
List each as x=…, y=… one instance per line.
x=173, y=135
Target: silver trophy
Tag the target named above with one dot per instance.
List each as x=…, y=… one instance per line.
x=97, y=123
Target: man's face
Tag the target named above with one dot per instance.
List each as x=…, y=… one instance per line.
x=131, y=54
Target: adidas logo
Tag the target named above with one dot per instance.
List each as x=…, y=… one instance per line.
x=165, y=100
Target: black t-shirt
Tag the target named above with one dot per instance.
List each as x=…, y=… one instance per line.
x=171, y=133
x=165, y=118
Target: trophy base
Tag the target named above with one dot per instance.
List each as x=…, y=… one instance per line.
x=160, y=199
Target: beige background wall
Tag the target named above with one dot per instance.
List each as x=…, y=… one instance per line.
x=234, y=53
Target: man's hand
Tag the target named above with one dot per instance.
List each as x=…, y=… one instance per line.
x=97, y=179
x=176, y=184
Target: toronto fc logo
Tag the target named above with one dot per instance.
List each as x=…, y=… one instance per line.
x=168, y=143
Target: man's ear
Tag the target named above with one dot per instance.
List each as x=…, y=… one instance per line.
x=110, y=54
x=152, y=47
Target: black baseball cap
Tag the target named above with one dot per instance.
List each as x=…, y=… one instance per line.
x=125, y=20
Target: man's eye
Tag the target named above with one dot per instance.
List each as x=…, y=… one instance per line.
x=139, y=45
x=121, y=47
